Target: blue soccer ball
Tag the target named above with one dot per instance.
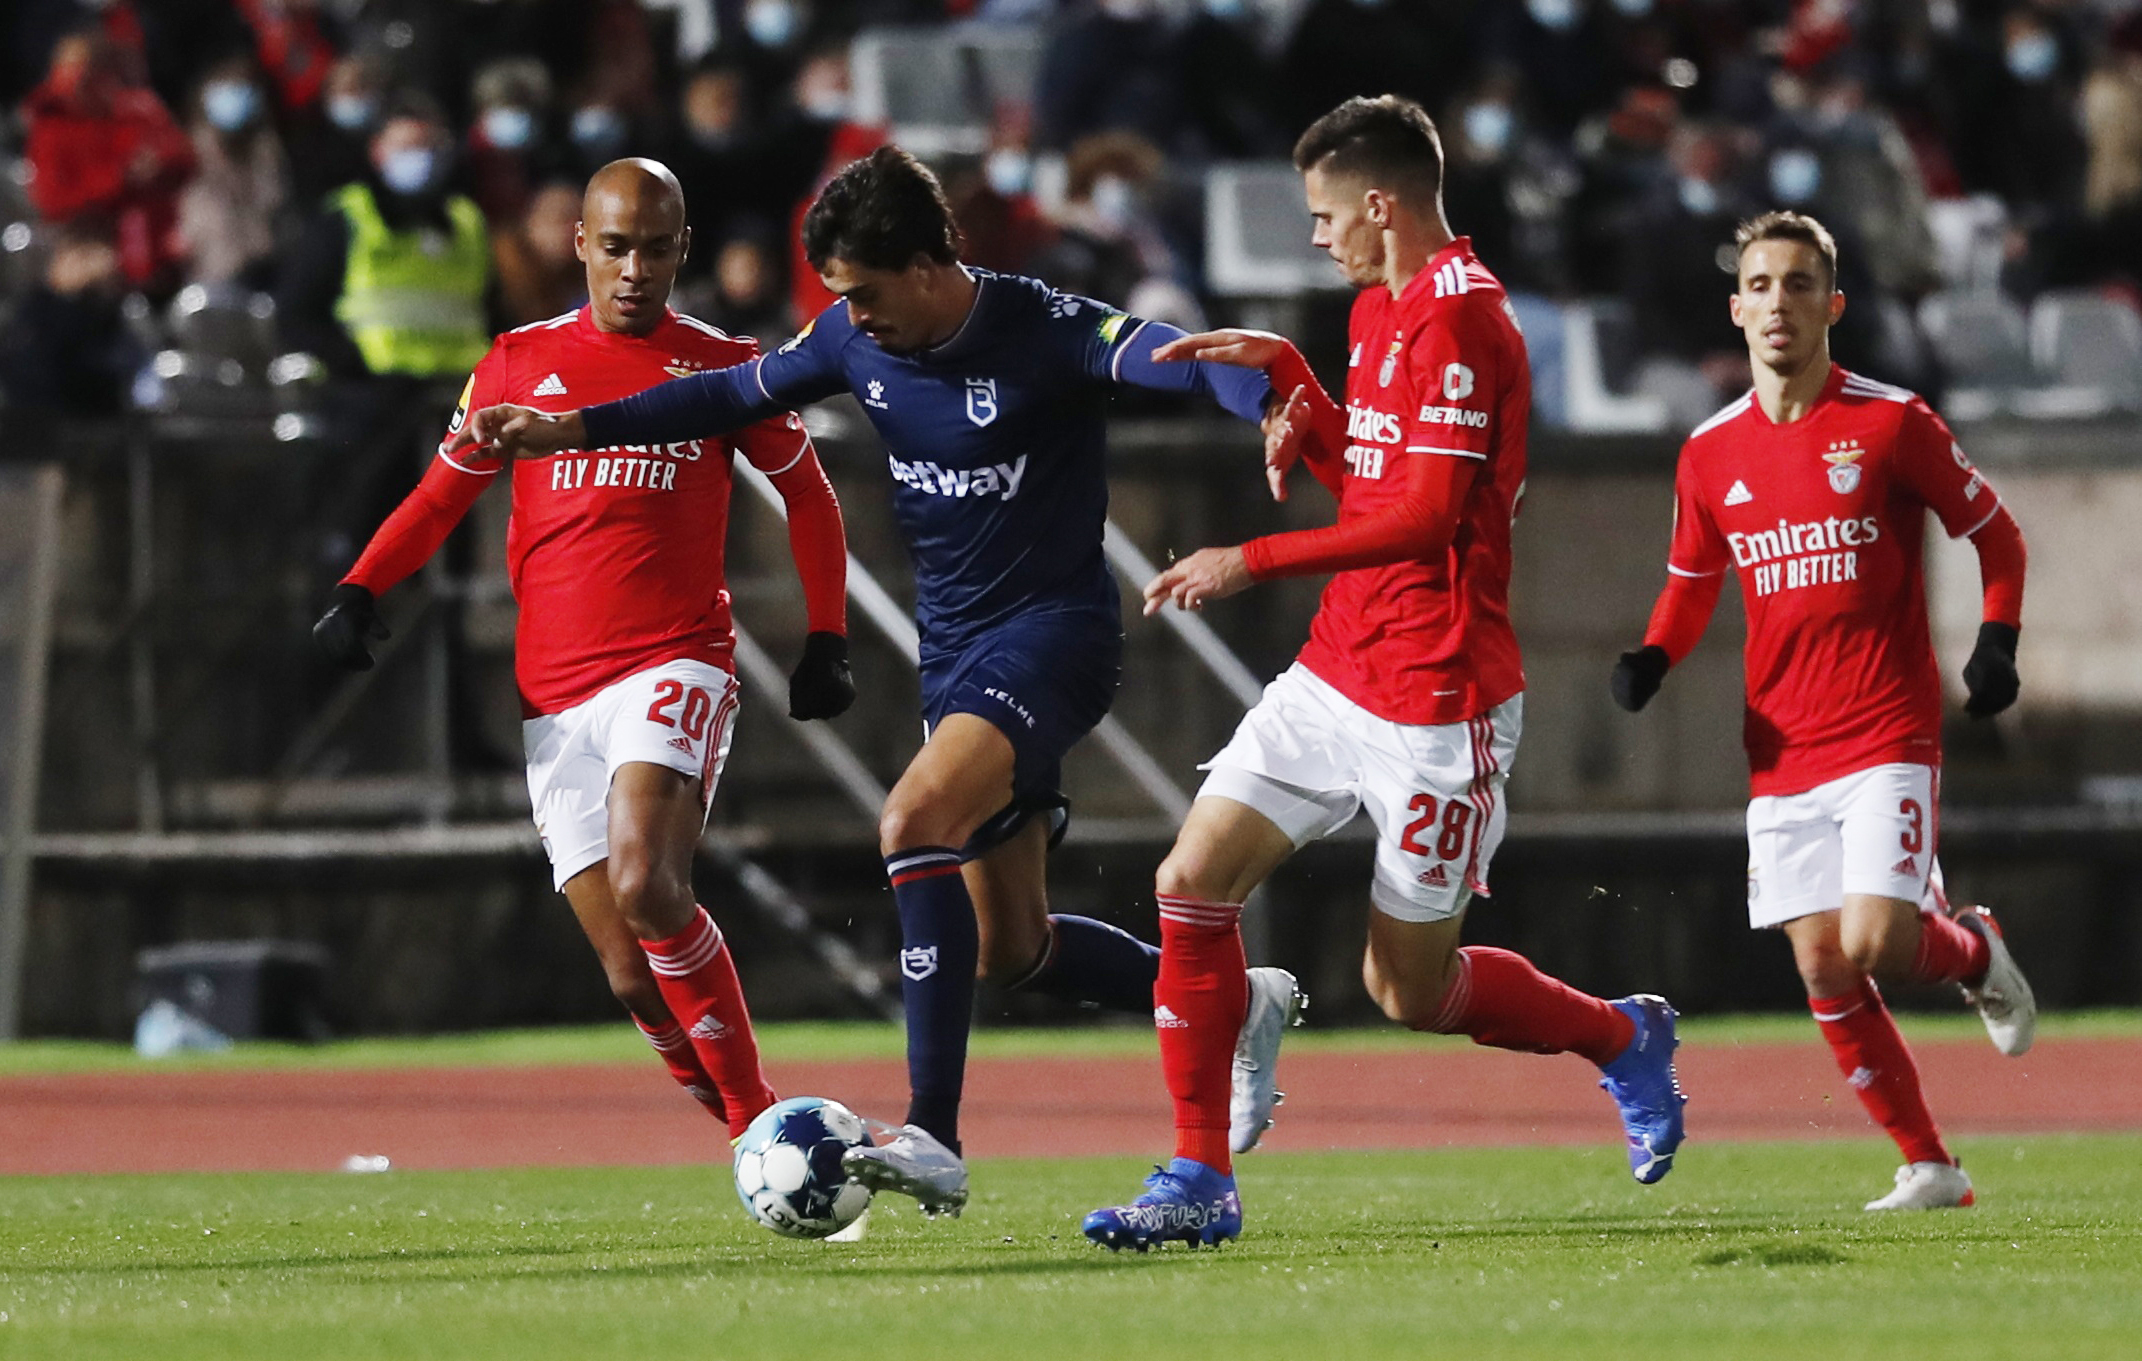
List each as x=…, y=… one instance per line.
x=788, y=1171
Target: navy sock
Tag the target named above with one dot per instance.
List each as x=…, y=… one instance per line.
x=939, y=948
x=1091, y=961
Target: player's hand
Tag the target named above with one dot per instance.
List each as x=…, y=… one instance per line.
x=518, y=432
x=1638, y=675
x=349, y=624
x=821, y=685
x=1243, y=349
x=1286, y=425
x=1207, y=574
x=1990, y=675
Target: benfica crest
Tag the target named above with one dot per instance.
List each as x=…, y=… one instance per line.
x=1843, y=457
x=1390, y=365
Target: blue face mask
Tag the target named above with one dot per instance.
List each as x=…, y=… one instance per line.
x=1009, y=172
x=508, y=128
x=2033, y=57
x=1488, y=128
x=1700, y=197
x=598, y=128
x=1795, y=175
x=229, y=105
x=409, y=171
x=351, y=113
x=771, y=23
x=1556, y=16
x=1632, y=9
x=1224, y=9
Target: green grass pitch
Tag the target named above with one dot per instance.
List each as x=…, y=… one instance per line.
x=1747, y=1251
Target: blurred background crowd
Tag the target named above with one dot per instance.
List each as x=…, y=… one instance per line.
x=383, y=184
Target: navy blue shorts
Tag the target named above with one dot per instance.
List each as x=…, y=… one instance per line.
x=1044, y=681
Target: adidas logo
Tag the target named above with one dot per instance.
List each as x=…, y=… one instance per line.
x=1861, y=1079
x=709, y=1027
x=1436, y=877
x=1907, y=866
x=683, y=744
x=1168, y=1020
x=554, y=387
x=1738, y=495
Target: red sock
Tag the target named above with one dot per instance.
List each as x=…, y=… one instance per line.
x=1949, y=952
x=1199, y=1003
x=677, y=1053
x=698, y=980
x=1871, y=1053
x=1500, y=1000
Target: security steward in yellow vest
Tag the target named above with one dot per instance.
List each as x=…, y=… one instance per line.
x=394, y=274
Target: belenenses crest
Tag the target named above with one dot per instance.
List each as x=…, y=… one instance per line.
x=918, y=961
x=1843, y=457
x=981, y=400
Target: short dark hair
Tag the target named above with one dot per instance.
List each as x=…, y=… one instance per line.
x=1788, y=226
x=1389, y=140
x=881, y=212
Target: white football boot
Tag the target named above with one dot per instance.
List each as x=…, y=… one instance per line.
x=2003, y=996
x=1927, y=1186
x=913, y=1163
x=1274, y=1004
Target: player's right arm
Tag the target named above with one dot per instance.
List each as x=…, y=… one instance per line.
x=1304, y=425
x=807, y=369
x=1695, y=573
x=410, y=535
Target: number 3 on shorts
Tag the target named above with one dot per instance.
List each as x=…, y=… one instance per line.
x=1913, y=837
x=697, y=706
x=1450, y=844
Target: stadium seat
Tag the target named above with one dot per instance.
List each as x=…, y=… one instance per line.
x=1597, y=335
x=1981, y=339
x=1969, y=239
x=2090, y=343
x=938, y=88
x=216, y=323
x=1257, y=234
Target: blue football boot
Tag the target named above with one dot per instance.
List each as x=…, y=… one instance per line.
x=1185, y=1201
x=1643, y=1084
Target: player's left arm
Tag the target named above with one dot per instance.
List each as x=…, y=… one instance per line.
x=1933, y=464
x=821, y=685
x=1119, y=348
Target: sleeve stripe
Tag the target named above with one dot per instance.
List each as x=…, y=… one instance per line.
x=1438, y=449
x=1115, y=361
x=803, y=446
x=1684, y=572
x=472, y=472
x=758, y=375
x=1983, y=522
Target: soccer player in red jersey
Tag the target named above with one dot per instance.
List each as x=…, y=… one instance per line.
x=1407, y=701
x=624, y=642
x=1814, y=489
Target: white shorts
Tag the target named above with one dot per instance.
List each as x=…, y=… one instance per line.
x=680, y=714
x=1309, y=758
x=1868, y=832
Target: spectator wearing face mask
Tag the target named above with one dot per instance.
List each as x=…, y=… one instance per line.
x=993, y=202
x=392, y=276
x=232, y=209
x=1679, y=263
x=104, y=148
x=1109, y=244
x=65, y=347
x=508, y=147
x=813, y=133
x=2038, y=153
x=1863, y=173
x=329, y=143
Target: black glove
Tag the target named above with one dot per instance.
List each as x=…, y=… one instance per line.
x=348, y=625
x=820, y=686
x=1990, y=675
x=1638, y=675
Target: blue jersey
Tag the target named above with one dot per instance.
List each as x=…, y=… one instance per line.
x=995, y=440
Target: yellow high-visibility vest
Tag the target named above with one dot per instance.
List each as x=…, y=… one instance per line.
x=413, y=300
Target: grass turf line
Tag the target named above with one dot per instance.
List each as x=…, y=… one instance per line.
x=1752, y=1251
x=809, y=1041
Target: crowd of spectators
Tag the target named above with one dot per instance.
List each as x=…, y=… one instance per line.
x=1595, y=147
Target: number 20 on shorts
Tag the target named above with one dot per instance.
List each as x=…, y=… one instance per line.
x=697, y=706
x=1455, y=817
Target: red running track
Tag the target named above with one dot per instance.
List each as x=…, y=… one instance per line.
x=630, y=1114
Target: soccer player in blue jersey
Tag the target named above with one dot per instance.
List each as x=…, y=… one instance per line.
x=990, y=392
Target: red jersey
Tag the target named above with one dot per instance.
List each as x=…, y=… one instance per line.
x=1438, y=372
x=615, y=555
x=1824, y=521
